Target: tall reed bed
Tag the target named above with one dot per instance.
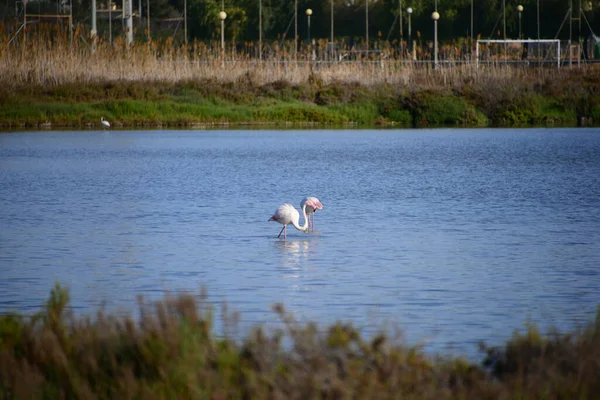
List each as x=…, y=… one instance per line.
x=46, y=56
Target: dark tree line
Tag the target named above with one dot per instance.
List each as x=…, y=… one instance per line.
x=242, y=23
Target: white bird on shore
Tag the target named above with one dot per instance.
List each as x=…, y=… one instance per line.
x=312, y=204
x=287, y=214
x=104, y=123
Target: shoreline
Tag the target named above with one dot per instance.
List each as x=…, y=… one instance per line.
x=568, y=100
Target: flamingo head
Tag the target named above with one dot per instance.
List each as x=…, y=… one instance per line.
x=316, y=204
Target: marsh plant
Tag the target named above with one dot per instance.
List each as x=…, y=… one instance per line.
x=47, y=78
x=172, y=350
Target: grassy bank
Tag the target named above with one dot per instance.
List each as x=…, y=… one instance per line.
x=244, y=101
x=171, y=351
x=47, y=82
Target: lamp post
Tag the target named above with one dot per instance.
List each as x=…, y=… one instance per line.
x=504, y=19
x=129, y=21
x=409, y=11
x=471, y=30
x=538, y=19
x=401, y=28
x=148, y=18
x=332, y=42
x=367, y=26
x=260, y=29
x=110, y=8
x=296, y=30
x=520, y=10
x=94, y=30
x=222, y=16
x=435, y=16
x=308, y=14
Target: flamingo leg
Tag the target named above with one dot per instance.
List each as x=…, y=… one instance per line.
x=282, y=229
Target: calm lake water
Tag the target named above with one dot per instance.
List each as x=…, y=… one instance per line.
x=452, y=235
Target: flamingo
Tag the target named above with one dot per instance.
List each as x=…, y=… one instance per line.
x=104, y=123
x=312, y=204
x=287, y=214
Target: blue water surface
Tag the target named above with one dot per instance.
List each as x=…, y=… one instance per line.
x=452, y=235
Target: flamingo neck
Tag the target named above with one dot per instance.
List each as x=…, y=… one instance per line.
x=305, y=226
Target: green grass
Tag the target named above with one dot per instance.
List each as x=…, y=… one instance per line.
x=439, y=109
x=207, y=101
x=173, y=351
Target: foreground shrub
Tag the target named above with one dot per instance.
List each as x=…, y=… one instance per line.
x=172, y=351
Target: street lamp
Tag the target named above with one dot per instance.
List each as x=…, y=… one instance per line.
x=520, y=10
x=504, y=19
x=367, y=26
x=409, y=11
x=435, y=16
x=332, y=45
x=296, y=30
x=222, y=16
x=308, y=14
x=260, y=29
x=538, y=19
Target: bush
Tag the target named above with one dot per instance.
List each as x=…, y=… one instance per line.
x=172, y=351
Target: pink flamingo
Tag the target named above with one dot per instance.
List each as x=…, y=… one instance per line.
x=287, y=214
x=312, y=204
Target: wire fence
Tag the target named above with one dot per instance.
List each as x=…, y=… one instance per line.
x=416, y=53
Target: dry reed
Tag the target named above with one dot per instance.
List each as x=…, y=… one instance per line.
x=46, y=57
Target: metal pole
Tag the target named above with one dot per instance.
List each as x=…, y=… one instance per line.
x=110, y=22
x=185, y=21
x=94, y=31
x=409, y=11
x=504, y=19
x=296, y=30
x=129, y=22
x=570, y=32
x=332, y=24
x=148, y=18
x=471, y=47
x=367, y=26
x=579, y=50
x=538, y=19
x=401, y=27
x=308, y=22
x=71, y=22
x=435, y=16
x=140, y=10
x=504, y=30
x=435, y=44
x=260, y=29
